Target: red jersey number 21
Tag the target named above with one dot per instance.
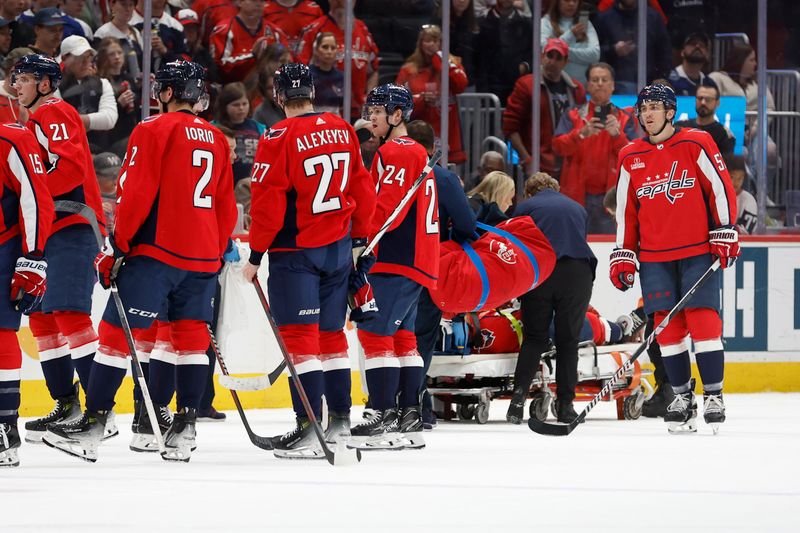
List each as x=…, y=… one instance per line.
x=204, y=160
x=323, y=166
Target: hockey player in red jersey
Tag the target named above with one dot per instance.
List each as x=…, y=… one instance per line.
x=176, y=184
x=24, y=227
x=676, y=208
x=62, y=325
x=407, y=260
x=312, y=203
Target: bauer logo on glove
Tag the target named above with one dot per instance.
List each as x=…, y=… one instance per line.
x=28, y=283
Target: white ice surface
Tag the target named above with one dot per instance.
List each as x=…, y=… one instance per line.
x=608, y=475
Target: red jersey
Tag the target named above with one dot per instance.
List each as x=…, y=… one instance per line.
x=175, y=195
x=65, y=149
x=365, y=54
x=27, y=208
x=231, y=46
x=292, y=19
x=670, y=195
x=309, y=183
x=211, y=13
x=411, y=246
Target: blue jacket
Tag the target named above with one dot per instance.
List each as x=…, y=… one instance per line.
x=456, y=219
x=563, y=221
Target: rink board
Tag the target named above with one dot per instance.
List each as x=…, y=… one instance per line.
x=761, y=317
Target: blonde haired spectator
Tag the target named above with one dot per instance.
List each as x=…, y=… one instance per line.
x=492, y=197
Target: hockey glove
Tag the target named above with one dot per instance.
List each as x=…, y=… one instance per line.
x=623, y=268
x=107, y=263
x=28, y=283
x=361, y=299
x=724, y=243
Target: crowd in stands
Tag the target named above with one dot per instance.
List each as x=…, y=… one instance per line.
x=589, y=52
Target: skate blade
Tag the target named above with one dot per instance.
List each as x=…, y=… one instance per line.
x=334, y=440
x=413, y=441
x=387, y=442
x=180, y=454
x=73, y=448
x=682, y=428
x=9, y=458
x=143, y=443
x=110, y=433
x=306, y=452
x=34, y=437
x=714, y=427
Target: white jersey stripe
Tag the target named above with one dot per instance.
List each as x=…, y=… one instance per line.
x=623, y=184
x=45, y=142
x=720, y=200
x=27, y=198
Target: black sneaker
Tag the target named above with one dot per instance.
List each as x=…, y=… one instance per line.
x=67, y=409
x=210, y=415
x=9, y=444
x=429, y=420
x=179, y=440
x=656, y=405
x=565, y=412
x=516, y=409
x=79, y=437
x=299, y=443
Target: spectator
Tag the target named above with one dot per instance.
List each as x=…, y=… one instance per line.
x=688, y=76
x=492, y=197
x=482, y=7
x=589, y=137
x=463, y=30
x=563, y=21
x=562, y=299
x=502, y=49
x=74, y=10
x=5, y=40
x=747, y=207
x=328, y=80
x=211, y=14
x=91, y=95
x=490, y=161
x=167, y=33
x=130, y=39
x=21, y=33
x=421, y=74
x=197, y=52
x=49, y=30
x=107, y=167
x=292, y=16
x=10, y=110
x=559, y=92
x=617, y=28
x=233, y=41
x=706, y=104
x=233, y=109
x=28, y=19
x=110, y=66
x=365, y=51
x=267, y=112
x=686, y=18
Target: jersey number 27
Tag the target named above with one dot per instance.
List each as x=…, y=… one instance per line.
x=324, y=167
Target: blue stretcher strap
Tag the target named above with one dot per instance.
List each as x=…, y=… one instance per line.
x=519, y=244
x=476, y=260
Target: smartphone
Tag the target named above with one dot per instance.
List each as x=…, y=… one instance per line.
x=601, y=112
x=583, y=17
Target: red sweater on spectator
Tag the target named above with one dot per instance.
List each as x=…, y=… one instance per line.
x=212, y=13
x=293, y=19
x=604, y=5
x=517, y=115
x=428, y=79
x=365, y=54
x=590, y=164
x=232, y=46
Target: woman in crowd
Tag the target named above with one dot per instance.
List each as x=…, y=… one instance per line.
x=111, y=66
x=328, y=80
x=563, y=21
x=233, y=112
x=130, y=39
x=492, y=198
x=421, y=74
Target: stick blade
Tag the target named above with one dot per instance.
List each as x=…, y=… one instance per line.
x=344, y=456
x=244, y=384
x=556, y=430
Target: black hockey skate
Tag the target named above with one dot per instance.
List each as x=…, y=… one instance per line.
x=67, y=409
x=144, y=439
x=9, y=443
x=656, y=405
x=631, y=324
x=80, y=437
x=411, y=428
x=681, y=415
x=338, y=429
x=179, y=440
x=713, y=410
x=381, y=432
x=299, y=443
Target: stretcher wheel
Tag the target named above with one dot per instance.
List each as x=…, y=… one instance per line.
x=632, y=406
x=482, y=413
x=466, y=411
x=539, y=406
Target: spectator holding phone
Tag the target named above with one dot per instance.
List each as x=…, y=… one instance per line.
x=589, y=138
x=564, y=21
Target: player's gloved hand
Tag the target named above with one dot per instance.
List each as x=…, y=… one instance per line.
x=231, y=254
x=623, y=268
x=361, y=298
x=359, y=245
x=28, y=283
x=108, y=262
x=724, y=243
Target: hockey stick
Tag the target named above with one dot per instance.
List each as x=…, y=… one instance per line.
x=251, y=383
x=265, y=443
x=560, y=430
x=86, y=212
x=403, y=202
x=343, y=455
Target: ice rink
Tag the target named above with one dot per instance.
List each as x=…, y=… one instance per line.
x=608, y=475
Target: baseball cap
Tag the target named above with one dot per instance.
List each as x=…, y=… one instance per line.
x=49, y=16
x=15, y=55
x=75, y=45
x=187, y=16
x=107, y=163
x=697, y=36
x=558, y=45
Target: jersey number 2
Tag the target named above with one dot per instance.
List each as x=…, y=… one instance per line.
x=323, y=166
x=205, y=160
x=431, y=225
